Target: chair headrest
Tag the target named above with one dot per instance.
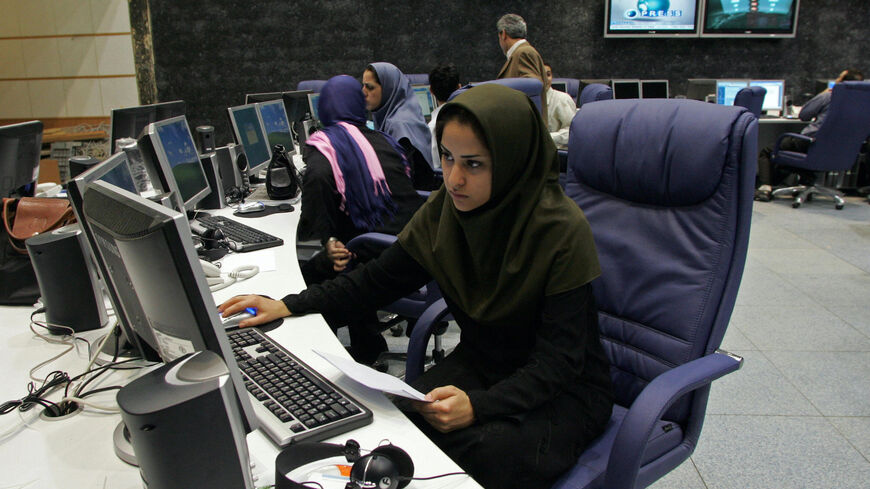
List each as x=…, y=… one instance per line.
x=595, y=92
x=640, y=151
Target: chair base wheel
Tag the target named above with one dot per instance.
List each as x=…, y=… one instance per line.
x=839, y=207
x=795, y=204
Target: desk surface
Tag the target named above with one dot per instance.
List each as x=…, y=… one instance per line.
x=78, y=452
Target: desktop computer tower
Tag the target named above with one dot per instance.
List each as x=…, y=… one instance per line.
x=68, y=281
x=184, y=426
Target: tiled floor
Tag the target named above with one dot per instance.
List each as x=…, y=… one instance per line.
x=797, y=415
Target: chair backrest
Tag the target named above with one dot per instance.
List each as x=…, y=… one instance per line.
x=595, y=92
x=667, y=187
x=313, y=85
x=845, y=128
x=530, y=86
x=752, y=98
x=418, y=78
x=573, y=85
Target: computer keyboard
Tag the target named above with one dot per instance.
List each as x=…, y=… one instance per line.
x=241, y=236
x=292, y=401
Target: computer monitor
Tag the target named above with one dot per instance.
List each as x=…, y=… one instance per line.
x=560, y=86
x=249, y=133
x=313, y=109
x=700, y=88
x=276, y=124
x=130, y=121
x=630, y=18
x=20, y=145
x=153, y=260
x=745, y=18
x=168, y=148
x=726, y=90
x=654, y=89
x=426, y=100
x=774, y=98
x=137, y=340
x=626, y=89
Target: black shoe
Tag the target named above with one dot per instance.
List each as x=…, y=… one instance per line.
x=763, y=195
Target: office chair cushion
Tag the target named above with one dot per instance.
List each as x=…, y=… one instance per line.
x=682, y=157
x=791, y=158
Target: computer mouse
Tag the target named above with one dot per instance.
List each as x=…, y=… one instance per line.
x=235, y=319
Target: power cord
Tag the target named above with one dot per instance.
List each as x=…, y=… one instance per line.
x=242, y=272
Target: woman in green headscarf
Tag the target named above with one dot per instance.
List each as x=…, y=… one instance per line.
x=528, y=385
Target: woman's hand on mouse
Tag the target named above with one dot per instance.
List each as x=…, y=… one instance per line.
x=449, y=410
x=267, y=309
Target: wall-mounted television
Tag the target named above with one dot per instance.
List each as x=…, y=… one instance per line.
x=750, y=18
x=651, y=18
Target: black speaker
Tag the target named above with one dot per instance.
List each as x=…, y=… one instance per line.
x=237, y=156
x=217, y=198
x=184, y=426
x=68, y=281
x=205, y=139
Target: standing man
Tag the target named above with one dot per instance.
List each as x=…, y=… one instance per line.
x=523, y=61
x=443, y=81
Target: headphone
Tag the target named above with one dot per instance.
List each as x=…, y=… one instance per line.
x=214, y=245
x=385, y=467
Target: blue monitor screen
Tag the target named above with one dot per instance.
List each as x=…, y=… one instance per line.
x=182, y=157
x=120, y=177
x=651, y=17
x=773, y=97
x=276, y=124
x=726, y=90
x=250, y=135
x=313, y=100
x=424, y=97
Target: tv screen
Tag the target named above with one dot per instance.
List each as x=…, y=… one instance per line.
x=750, y=18
x=651, y=18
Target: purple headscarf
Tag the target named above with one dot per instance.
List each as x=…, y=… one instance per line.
x=400, y=115
x=359, y=177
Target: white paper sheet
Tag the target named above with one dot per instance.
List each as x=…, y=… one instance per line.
x=371, y=378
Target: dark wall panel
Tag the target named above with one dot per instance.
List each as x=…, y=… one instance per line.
x=211, y=54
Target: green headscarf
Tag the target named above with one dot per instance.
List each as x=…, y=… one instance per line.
x=499, y=261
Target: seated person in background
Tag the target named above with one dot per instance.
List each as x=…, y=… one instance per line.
x=396, y=111
x=356, y=180
x=528, y=386
x=814, y=111
x=561, y=109
x=443, y=81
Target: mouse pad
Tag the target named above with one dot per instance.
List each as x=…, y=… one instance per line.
x=270, y=209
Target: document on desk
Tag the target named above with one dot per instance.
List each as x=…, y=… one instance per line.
x=371, y=378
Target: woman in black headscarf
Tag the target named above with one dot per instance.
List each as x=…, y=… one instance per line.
x=528, y=385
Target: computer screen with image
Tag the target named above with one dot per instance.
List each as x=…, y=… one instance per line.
x=750, y=18
x=773, y=99
x=630, y=18
x=726, y=90
x=425, y=99
x=276, y=124
x=314, y=109
x=249, y=133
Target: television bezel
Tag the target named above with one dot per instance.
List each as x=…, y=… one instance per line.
x=751, y=33
x=651, y=33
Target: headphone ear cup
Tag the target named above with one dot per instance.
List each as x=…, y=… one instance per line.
x=402, y=461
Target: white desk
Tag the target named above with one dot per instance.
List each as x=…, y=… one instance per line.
x=78, y=452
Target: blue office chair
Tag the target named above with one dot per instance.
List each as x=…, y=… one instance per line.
x=313, y=85
x=418, y=78
x=530, y=86
x=595, y=92
x=752, y=98
x=573, y=85
x=834, y=147
x=667, y=187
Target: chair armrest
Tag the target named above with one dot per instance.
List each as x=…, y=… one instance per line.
x=790, y=135
x=420, y=335
x=378, y=239
x=624, y=461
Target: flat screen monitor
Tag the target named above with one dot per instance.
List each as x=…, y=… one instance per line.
x=169, y=148
x=701, y=88
x=313, y=100
x=560, y=86
x=137, y=340
x=651, y=18
x=20, y=146
x=153, y=260
x=130, y=121
x=249, y=133
x=276, y=124
x=425, y=99
x=626, y=89
x=773, y=99
x=750, y=18
x=653, y=89
x=726, y=90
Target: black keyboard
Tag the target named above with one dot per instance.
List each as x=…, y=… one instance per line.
x=292, y=401
x=241, y=236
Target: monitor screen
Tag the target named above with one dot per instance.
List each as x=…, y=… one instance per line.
x=560, y=86
x=700, y=88
x=313, y=99
x=154, y=261
x=726, y=90
x=276, y=124
x=249, y=133
x=137, y=341
x=20, y=145
x=750, y=18
x=773, y=99
x=130, y=121
x=425, y=99
x=626, y=89
x=651, y=18
x=654, y=89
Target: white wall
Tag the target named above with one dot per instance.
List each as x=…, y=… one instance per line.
x=65, y=58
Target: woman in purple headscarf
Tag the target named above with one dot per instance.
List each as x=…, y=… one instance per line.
x=356, y=180
x=396, y=111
